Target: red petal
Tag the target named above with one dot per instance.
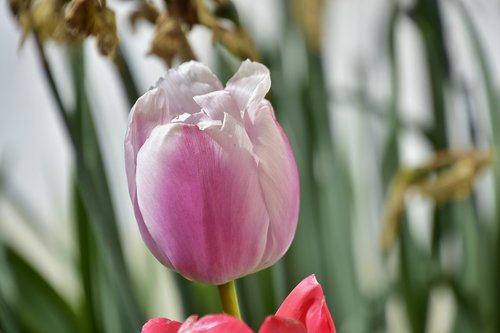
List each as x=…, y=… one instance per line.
x=161, y=325
x=219, y=323
x=306, y=303
x=276, y=324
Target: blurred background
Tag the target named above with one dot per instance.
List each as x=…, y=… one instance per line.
x=392, y=110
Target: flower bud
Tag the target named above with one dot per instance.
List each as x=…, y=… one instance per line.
x=211, y=175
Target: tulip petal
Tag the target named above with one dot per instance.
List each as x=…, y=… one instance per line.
x=306, y=303
x=147, y=238
x=276, y=324
x=249, y=85
x=318, y=318
x=232, y=135
x=202, y=202
x=141, y=123
x=278, y=178
x=161, y=325
x=219, y=323
x=191, y=118
x=173, y=96
x=183, y=83
x=148, y=112
x=216, y=103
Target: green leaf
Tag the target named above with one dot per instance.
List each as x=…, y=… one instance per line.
x=322, y=243
x=493, y=103
x=37, y=304
x=118, y=297
x=257, y=297
x=417, y=271
x=116, y=290
x=88, y=258
x=476, y=278
x=198, y=298
x=227, y=10
x=426, y=15
x=8, y=320
x=127, y=79
x=390, y=159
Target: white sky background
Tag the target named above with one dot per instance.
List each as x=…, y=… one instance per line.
x=36, y=158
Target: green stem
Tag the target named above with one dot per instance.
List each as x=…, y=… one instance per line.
x=52, y=83
x=229, y=299
x=126, y=77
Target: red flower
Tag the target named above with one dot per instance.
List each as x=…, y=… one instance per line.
x=303, y=311
x=216, y=323
x=161, y=325
x=277, y=324
x=307, y=304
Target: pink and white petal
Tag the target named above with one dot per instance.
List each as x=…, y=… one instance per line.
x=218, y=323
x=306, y=303
x=183, y=83
x=216, y=103
x=161, y=325
x=278, y=178
x=191, y=118
x=172, y=96
x=149, y=111
x=232, y=134
x=202, y=203
x=147, y=238
x=249, y=85
x=276, y=324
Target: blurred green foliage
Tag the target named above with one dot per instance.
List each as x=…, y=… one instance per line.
x=323, y=245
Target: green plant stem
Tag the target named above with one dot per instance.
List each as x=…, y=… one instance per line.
x=229, y=299
x=52, y=84
x=126, y=76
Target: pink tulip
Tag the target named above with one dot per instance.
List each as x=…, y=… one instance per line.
x=211, y=175
x=303, y=311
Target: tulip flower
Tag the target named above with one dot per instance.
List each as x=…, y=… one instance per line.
x=276, y=324
x=161, y=325
x=219, y=323
x=211, y=175
x=306, y=303
x=303, y=311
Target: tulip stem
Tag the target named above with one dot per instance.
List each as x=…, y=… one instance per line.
x=229, y=299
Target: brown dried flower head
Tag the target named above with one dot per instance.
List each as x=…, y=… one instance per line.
x=43, y=17
x=170, y=40
x=93, y=18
